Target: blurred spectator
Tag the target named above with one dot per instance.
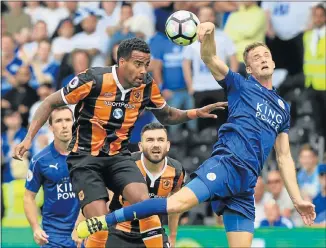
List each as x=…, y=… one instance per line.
x=308, y=174
x=22, y=96
x=74, y=15
x=52, y=15
x=13, y=194
x=167, y=72
x=278, y=192
x=35, y=10
x=315, y=67
x=110, y=17
x=23, y=37
x=44, y=66
x=28, y=51
x=274, y=217
x=141, y=27
x=245, y=26
x=94, y=43
x=125, y=14
x=320, y=199
x=10, y=63
x=80, y=62
x=286, y=22
x=224, y=9
x=196, y=72
x=11, y=137
x=259, y=201
x=63, y=43
x=16, y=19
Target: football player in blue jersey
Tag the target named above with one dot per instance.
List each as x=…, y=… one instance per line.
x=258, y=119
x=49, y=170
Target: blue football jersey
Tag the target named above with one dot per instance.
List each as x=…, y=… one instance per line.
x=256, y=116
x=61, y=208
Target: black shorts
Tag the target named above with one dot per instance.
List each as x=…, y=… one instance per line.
x=122, y=239
x=90, y=176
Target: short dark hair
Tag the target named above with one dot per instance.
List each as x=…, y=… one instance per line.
x=58, y=109
x=134, y=44
x=250, y=47
x=153, y=126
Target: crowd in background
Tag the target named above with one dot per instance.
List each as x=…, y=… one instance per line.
x=45, y=44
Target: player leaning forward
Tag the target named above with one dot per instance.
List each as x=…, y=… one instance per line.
x=109, y=101
x=258, y=119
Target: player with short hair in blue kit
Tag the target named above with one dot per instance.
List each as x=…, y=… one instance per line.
x=50, y=170
x=258, y=119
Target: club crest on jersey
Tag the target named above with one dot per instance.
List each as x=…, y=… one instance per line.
x=117, y=113
x=281, y=103
x=136, y=96
x=81, y=195
x=166, y=184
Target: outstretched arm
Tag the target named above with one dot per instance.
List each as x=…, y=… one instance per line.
x=206, y=33
x=40, y=117
x=172, y=116
x=287, y=169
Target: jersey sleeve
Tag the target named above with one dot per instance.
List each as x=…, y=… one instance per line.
x=180, y=182
x=78, y=88
x=232, y=81
x=286, y=126
x=34, y=177
x=156, y=100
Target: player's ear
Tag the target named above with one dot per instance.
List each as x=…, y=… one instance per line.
x=168, y=145
x=140, y=147
x=248, y=69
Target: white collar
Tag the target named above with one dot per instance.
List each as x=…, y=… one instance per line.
x=150, y=175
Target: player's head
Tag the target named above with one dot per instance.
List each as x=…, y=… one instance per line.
x=319, y=16
x=154, y=142
x=258, y=60
x=60, y=122
x=133, y=58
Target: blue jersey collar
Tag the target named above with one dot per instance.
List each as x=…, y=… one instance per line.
x=254, y=79
x=54, y=151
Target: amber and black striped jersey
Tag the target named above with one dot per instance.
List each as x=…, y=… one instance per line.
x=170, y=180
x=105, y=113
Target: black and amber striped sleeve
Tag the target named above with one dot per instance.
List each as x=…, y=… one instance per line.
x=78, y=88
x=180, y=182
x=156, y=100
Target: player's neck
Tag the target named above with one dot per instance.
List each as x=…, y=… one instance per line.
x=61, y=147
x=153, y=167
x=323, y=192
x=265, y=81
x=121, y=79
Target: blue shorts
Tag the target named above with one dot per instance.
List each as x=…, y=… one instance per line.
x=230, y=183
x=56, y=241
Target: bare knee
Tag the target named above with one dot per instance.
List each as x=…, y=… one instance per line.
x=135, y=192
x=95, y=208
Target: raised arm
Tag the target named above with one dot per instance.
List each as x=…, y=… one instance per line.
x=40, y=117
x=287, y=169
x=206, y=35
x=172, y=116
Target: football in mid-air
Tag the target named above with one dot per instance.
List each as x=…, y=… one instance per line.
x=181, y=27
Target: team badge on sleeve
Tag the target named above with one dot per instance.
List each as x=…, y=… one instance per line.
x=73, y=83
x=29, y=176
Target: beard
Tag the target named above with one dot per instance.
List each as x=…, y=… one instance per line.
x=155, y=159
